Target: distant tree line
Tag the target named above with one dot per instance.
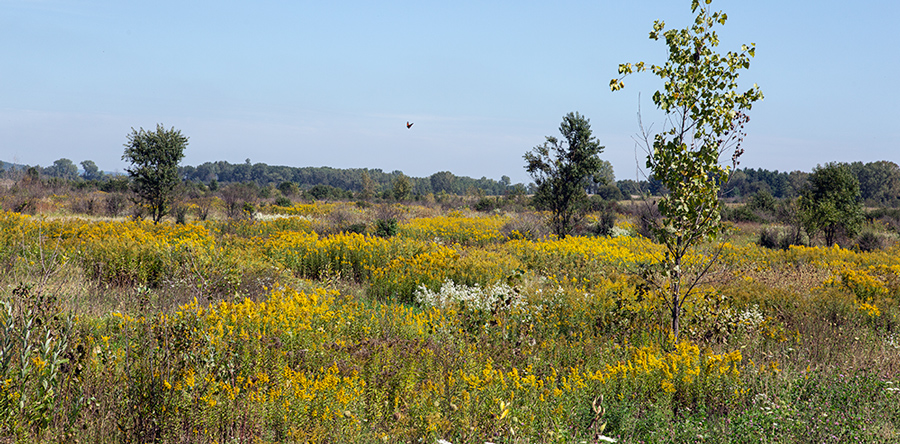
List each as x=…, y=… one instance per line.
x=354, y=180
x=879, y=182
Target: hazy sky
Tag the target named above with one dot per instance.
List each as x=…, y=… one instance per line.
x=316, y=83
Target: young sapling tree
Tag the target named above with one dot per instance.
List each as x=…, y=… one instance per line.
x=705, y=118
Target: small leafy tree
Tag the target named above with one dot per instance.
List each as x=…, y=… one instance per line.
x=154, y=158
x=562, y=169
x=704, y=119
x=830, y=203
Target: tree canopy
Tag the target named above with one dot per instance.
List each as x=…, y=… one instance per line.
x=563, y=168
x=154, y=158
x=91, y=171
x=63, y=168
x=830, y=203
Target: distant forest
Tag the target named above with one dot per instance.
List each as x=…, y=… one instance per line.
x=879, y=181
x=352, y=180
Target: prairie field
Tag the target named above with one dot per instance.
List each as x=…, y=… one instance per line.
x=321, y=323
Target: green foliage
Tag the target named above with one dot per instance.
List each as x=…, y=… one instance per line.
x=154, y=158
x=288, y=188
x=282, y=201
x=401, y=188
x=705, y=112
x=32, y=174
x=605, y=174
x=327, y=192
x=561, y=170
x=386, y=227
x=830, y=204
x=40, y=359
x=62, y=168
x=763, y=201
x=443, y=181
x=486, y=204
x=115, y=184
x=370, y=182
x=879, y=182
x=609, y=192
x=367, y=190
x=91, y=171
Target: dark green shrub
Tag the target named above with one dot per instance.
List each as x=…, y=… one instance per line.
x=288, y=188
x=763, y=201
x=743, y=213
x=115, y=184
x=282, y=201
x=318, y=192
x=358, y=228
x=869, y=241
x=485, y=204
x=777, y=238
x=610, y=192
x=769, y=238
x=386, y=227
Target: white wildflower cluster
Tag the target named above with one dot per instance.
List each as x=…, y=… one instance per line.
x=618, y=231
x=750, y=318
x=893, y=341
x=271, y=217
x=492, y=297
x=746, y=320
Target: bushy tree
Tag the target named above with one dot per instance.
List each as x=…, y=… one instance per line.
x=830, y=203
x=442, y=181
x=705, y=115
x=288, y=188
x=62, y=168
x=604, y=177
x=562, y=169
x=91, y=171
x=154, y=158
x=402, y=187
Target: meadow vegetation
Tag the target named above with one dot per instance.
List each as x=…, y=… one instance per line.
x=302, y=324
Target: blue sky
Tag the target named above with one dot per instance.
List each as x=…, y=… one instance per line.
x=312, y=83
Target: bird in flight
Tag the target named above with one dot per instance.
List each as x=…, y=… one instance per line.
x=408, y=125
